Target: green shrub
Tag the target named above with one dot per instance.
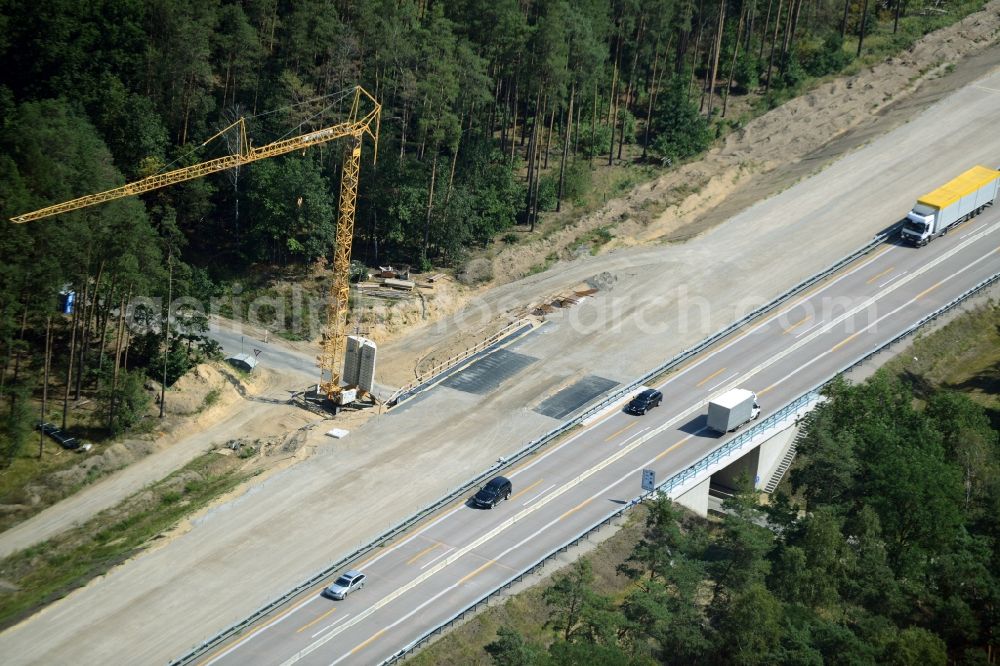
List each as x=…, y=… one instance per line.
x=548, y=188
x=576, y=180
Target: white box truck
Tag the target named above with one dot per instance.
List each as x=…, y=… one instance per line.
x=732, y=409
x=953, y=202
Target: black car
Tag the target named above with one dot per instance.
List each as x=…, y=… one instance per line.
x=495, y=491
x=645, y=401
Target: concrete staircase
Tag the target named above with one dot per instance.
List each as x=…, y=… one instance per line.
x=786, y=461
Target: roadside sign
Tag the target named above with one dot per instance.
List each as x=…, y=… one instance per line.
x=648, y=480
x=256, y=353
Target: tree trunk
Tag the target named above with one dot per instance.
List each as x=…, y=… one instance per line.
x=614, y=78
x=640, y=31
x=166, y=330
x=430, y=206
x=402, y=133
x=576, y=133
x=534, y=207
x=454, y=163
x=732, y=65
x=506, y=117
x=611, y=148
x=763, y=31
x=715, y=58
x=13, y=349
x=565, y=151
x=694, y=63
x=89, y=325
x=532, y=168
x=103, y=314
x=795, y=25
x=786, y=40
x=843, y=21
x=649, y=104
x=895, y=20
x=513, y=127
x=548, y=137
x=83, y=335
x=119, y=336
x=46, y=363
x=593, y=128
x=69, y=366
x=864, y=22
x=774, y=39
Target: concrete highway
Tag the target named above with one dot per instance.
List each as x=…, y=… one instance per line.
x=462, y=553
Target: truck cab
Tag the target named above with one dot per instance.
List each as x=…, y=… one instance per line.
x=919, y=224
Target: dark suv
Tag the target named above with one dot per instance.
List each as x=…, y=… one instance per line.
x=645, y=401
x=495, y=491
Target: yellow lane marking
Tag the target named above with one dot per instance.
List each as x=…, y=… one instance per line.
x=630, y=425
x=927, y=291
x=791, y=306
x=875, y=277
x=516, y=495
x=576, y=508
x=762, y=392
x=822, y=284
x=477, y=571
x=363, y=645
x=422, y=553
x=711, y=376
x=321, y=617
x=844, y=341
x=797, y=324
x=264, y=626
x=672, y=447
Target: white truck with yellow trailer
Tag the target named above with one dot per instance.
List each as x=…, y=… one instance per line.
x=952, y=203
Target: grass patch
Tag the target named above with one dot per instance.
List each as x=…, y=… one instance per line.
x=594, y=239
x=50, y=570
x=550, y=259
x=211, y=398
x=963, y=355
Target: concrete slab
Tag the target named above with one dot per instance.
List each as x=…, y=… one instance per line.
x=573, y=397
x=489, y=372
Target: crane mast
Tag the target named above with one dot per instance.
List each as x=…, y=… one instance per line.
x=358, y=124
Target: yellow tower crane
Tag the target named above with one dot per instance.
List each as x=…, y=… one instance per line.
x=359, y=122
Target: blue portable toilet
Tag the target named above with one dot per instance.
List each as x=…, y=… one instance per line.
x=67, y=299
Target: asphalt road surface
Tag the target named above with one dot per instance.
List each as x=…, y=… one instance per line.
x=464, y=552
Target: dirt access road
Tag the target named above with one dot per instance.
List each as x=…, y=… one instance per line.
x=238, y=555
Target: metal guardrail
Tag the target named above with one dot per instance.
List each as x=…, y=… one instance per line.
x=805, y=401
x=213, y=642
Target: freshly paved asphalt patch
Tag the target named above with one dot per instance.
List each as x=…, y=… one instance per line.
x=573, y=397
x=489, y=372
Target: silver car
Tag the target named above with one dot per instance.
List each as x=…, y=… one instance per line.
x=347, y=583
